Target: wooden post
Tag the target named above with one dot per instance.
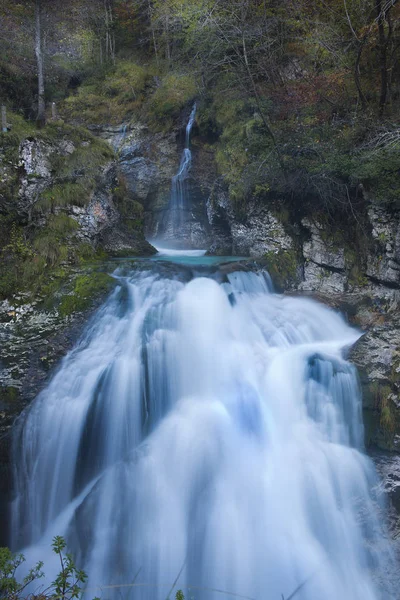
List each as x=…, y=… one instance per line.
x=4, y=119
x=53, y=111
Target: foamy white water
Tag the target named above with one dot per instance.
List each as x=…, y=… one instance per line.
x=174, y=252
x=208, y=430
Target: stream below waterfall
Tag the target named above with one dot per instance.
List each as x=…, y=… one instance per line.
x=205, y=434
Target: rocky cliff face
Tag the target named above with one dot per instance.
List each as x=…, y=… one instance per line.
x=259, y=233
x=77, y=179
x=330, y=264
x=148, y=162
x=99, y=219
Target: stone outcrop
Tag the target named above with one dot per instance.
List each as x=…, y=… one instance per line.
x=377, y=356
x=100, y=221
x=257, y=234
x=148, y=162
x=324, y=262
x=333, y=265
x=329, y=264
x=36, y=173
x=383, y=265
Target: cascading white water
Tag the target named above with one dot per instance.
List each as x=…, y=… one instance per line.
x=211, y=430
x=176, y=214
x=121, y=138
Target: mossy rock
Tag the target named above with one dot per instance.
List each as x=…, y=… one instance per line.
x=87, y=289
x=124, y=253
x=9, y=395
x=381, y=415
x=283, y=267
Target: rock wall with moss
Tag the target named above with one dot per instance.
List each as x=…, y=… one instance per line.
x=62, y=201
x=142, y=114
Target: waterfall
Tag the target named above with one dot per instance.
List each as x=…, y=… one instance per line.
x=207, y=432
x=176, y=214
x=120, y=138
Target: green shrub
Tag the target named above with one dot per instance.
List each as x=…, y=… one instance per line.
x=65, y=194
x=244, y=153
x=48, y=248
x=66, y=586
x=165, y=104
x=379, y=173
x=84, y=161
x=28, y=263
x=126, y=81
x=114, y=98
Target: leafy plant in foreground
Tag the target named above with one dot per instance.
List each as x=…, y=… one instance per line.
x=66, y=586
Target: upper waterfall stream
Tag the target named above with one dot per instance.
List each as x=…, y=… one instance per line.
x=176, y=215
x=207, y=428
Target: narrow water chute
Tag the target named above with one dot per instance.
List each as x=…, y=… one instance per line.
x=177, y=212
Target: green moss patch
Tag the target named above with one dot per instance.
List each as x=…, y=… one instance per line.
x=37, y=262
x=130, y=92
x=165, y=104
x=283, y=268
x=111, y=99
x=9, y=395
x=87, y=289
x=387, y=420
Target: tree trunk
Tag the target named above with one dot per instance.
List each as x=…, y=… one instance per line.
x=166, y=37
x=4, y=119
x=383, y=43
x=357, y=74
x=112, y=32
x=109, y=25
x=153, y=33
x=41, y=114
x=260, y=110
